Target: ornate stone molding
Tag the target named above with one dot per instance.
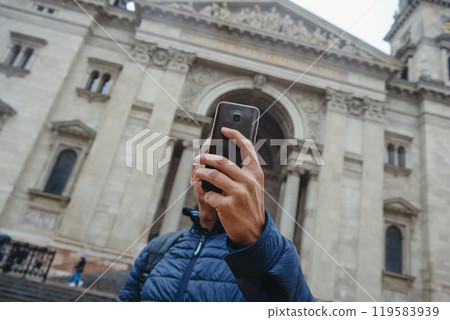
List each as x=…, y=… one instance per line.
x=337, y=100
x=13, y=71
x=74, y=128
x=106, y=65
x=344, y=102
x=374, y=109
x=6, y=110
x=397, y=170
x=141, y=51
x=24, y=38
x=34, y=194
x=172, y=59
x=271, y=21
x=180, y=61
x=92, y=96
x=423, y=89
x=400, y=206
x=258, y=81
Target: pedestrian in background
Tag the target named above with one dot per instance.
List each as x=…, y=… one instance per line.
x=75, y=280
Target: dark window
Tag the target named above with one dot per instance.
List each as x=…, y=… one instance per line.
x=401, y=156
x=448, y=65
x=390, y=154
x=51, y=10
x=93, y=81
x=404, y=74
x=26, y=58
x=61, y=172
x=104, y=85
x=14, y=54
x=393, y=249
x=40, y=8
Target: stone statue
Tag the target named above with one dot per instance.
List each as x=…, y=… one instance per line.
x=206, y=11
x=319, y=37
x=287, y=26
x=255, y=17
x=215, y=11
x=272, y=21
x=224, y=13
x=301, y=31
x=243, y=17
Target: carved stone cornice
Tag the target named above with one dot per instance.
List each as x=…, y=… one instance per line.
x=180, y=61
x=423, y=89
x=337, y=100
x=92, y=96
x=401, y=206
x=396, y=170
x=24, y=38
x=5, y=112
x=141, y=51
x=105, y=64
x=12, y=71
x=374, y=109
x=59, y=200
x=74, y=128
x=344, y=102
x=285, y=26
x=172, y=59
x=405, y=14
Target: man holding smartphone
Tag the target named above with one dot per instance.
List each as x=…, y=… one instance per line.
x=233, y=251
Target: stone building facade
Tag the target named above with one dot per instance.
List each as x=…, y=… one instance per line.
x=78, y=79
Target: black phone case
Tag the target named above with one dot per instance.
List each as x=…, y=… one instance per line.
x=226, y=115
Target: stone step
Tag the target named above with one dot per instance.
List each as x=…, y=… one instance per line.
x=19, y=289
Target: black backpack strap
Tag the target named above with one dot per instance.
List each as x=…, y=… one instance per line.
x=161, y=245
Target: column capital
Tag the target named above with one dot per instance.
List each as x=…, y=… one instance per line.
x=141, y=51
x=374, y=110
x=147, y=53
x=337, y=100
x=180, y=61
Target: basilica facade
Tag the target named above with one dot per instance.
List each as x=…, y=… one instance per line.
x=81, y=81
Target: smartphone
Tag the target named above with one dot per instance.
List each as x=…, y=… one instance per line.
x=242, y=118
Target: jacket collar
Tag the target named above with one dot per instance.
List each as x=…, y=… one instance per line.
x=195, y=217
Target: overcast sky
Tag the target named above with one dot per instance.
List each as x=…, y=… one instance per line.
x=372, y=26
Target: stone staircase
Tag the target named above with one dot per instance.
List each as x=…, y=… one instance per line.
x=14, y=288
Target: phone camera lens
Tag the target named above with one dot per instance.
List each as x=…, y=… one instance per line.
x=236, y=117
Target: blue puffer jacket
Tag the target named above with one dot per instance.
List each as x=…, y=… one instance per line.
x=205, y=266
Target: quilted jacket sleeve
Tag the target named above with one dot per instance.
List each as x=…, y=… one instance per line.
x=269, y=269
x=130, y=290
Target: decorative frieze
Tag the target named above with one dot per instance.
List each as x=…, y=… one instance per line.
x=172, y=59
x=344, y=102
x=272, y=22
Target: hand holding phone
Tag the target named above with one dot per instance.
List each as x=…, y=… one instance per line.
x=240, y=117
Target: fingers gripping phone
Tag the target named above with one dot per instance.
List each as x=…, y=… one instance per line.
x=240, y=117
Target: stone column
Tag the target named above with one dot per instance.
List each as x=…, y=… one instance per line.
x=96, y=168
x=445, y=66
x=327, y=218
x=370, y=240
x=178, y=195
x=131, y=221
x=308, y=243
x=290, y=200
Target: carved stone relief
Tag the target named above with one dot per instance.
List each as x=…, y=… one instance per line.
x=272, y=21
